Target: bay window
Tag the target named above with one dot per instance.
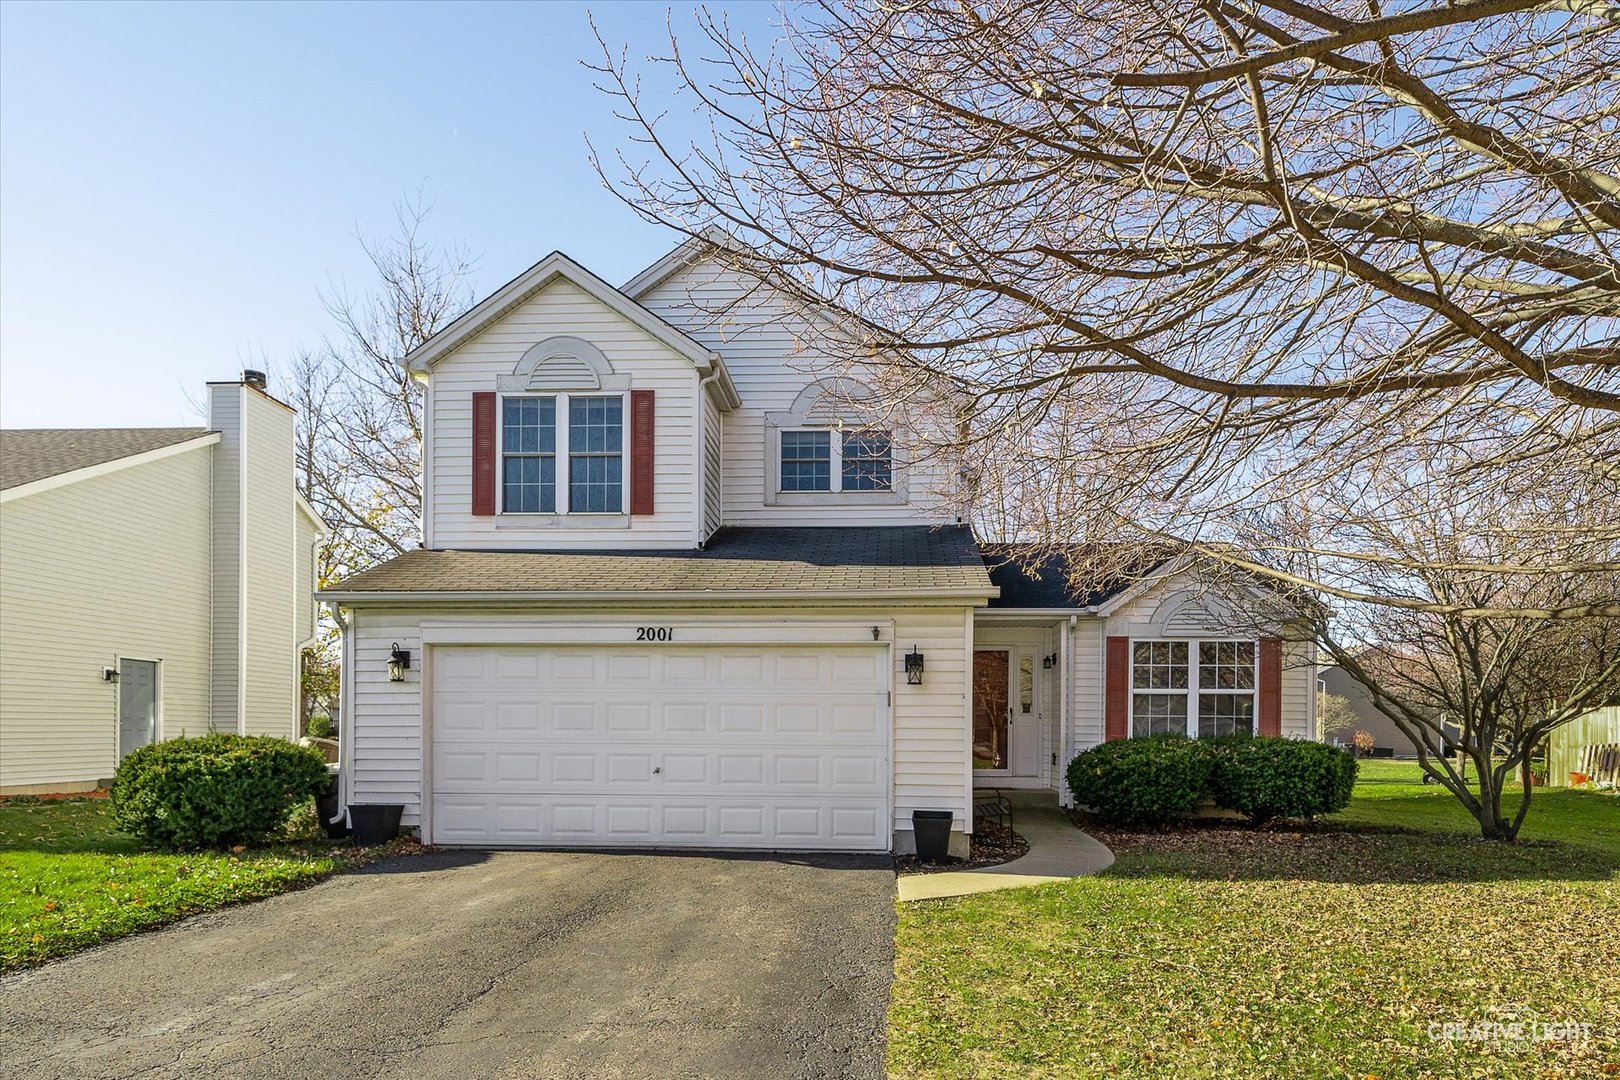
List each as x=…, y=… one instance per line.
x=1200, y=688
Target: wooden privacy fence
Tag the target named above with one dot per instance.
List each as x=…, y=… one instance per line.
x=1589, y=744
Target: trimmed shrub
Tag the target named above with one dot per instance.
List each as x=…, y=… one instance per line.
x=320, y=726
x=215, y=791
x=1150, y=781
x=1265, y=778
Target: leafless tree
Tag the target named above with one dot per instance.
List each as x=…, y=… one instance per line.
x=1182, y=266
x=360, y=413
x=1320, y=294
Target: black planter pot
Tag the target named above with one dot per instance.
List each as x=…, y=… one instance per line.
x=375, y=823
x=328, y=806
x=932, y=829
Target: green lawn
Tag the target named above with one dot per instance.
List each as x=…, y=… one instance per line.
x=68, y=879
x=1225, y=952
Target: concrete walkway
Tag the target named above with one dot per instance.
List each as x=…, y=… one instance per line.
x=1057, y=852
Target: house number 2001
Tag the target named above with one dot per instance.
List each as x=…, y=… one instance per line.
x=654, y=633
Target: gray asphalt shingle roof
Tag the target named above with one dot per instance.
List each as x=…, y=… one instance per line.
x=29, y=454
x=735, y=560
x=1043, y=581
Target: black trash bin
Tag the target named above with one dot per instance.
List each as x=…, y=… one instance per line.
x=329, y=806
x=375, y=823
x=932, y=828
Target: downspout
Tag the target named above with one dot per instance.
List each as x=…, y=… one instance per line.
x=345, y=713
x=1066, y=655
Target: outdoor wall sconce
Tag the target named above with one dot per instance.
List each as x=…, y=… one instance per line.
x=109, y=674
x=399, y=662
x=1049, y=661
x=914, y=667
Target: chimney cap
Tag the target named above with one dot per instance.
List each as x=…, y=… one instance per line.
x=254, y=379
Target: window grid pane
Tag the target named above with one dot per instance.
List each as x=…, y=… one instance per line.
x=1226, y=665
x=867, y=461
x=1159, y=665
x=806, y=461
x=1220, y=715
x=1158, y=714
x=595, y=455
x=528, y=455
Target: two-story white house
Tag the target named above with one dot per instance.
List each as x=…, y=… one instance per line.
x=675, y=590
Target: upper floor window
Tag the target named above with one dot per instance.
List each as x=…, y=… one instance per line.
x=825, y=460
x=1197, y=688
x=590, y=442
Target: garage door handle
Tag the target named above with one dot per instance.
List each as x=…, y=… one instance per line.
x=658, y=769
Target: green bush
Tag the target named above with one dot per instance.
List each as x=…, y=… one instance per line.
x=1265, y=778
x=215, y=791
x=320, y=726
x=1142, y=781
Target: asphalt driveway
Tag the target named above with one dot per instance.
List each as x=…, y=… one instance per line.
x=499, y=964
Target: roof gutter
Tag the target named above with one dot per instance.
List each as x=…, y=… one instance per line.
x=669, y=596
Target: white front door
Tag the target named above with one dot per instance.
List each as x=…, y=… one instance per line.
x=775, y=747
x=137, y=705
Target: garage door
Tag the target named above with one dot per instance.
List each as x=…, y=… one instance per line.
x=747, y=747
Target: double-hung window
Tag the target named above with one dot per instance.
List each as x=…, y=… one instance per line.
x=821, y=459
x=1199, y=688
x=589, y=440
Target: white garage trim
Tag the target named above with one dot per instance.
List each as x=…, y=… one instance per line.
x=686, y=630
x=544, y=770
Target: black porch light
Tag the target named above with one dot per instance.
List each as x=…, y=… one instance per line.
x=914, y=667
x=399, y=662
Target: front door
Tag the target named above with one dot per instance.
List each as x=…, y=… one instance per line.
x=1006, y=736
x=992, y=669
x=137, y=704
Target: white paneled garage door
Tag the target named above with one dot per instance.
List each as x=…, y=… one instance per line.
x=765, y=747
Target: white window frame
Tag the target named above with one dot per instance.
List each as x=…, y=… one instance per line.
x=1193, y=688
x=564, y=468
x=835, y=447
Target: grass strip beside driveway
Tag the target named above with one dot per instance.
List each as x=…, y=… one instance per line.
x=69, y=879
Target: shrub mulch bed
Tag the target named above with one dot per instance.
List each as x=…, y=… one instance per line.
x=990, y=845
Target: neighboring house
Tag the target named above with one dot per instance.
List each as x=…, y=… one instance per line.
x=154, y=582
x=678, y=589
x=1386, y=736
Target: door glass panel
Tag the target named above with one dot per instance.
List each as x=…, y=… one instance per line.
x=990, y=670
x=1026, y=684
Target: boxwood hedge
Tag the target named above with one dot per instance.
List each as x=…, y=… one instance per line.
x=215, y=791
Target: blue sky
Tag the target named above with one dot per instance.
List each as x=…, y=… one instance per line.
x=179, y=183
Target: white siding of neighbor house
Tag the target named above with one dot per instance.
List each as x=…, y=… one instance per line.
x=304, y=609
x=1164, y=612
x=271, y=516
x=771, y=355
x=225, y=401
x=930, y=758
x=110, y=566
x=562, y=308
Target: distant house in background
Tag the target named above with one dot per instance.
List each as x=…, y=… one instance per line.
x=1383, y=730
x=154, y=582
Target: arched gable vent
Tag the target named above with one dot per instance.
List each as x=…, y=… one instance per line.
x=830, y=401
x=1185, y=614
x=562, y=363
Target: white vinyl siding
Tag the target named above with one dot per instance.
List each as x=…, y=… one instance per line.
x=563, y=309
x=225, y=413
x=1162, y=613
x=772, y=355
x=929, y=761
x=115, y=565
x=713, y=476
x=269, y=705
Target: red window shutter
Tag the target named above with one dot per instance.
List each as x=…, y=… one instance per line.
x=1270, y=686
x=483, y=469
x=1117, y=689
x=641, y=451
